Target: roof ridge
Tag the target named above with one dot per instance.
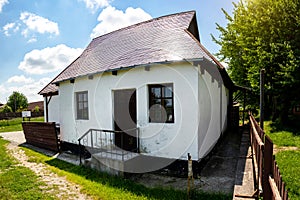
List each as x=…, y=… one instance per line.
x=144, y=22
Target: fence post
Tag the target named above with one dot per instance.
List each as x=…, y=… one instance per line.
x=79, y=153
x=268, y=161
x=262, y=83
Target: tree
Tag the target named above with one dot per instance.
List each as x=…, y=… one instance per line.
x=5, y=109
x=36, y=109
x=17, y=101
x=264, y=34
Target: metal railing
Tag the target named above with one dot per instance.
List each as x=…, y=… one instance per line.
x=267, y=176
x=103, y=143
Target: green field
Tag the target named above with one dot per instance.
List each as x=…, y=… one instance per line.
x=15, y=124
x=21, y=183
x=287, y=160
x=17, y=182
x=103, y=186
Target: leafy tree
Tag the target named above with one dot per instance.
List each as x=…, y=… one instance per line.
x=5, y=109
x=17, y=101
x=264, y=34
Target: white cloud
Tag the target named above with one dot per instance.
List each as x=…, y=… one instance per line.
x=19, y=79
x=111, y=19
x=8, y=27
x=4, y=93
x=31, y=40
x=38, y=24
x=29, y=89
x=2, y=3
x=11, y=27
x=30, y=23
x=50, y=59
x=94, y=5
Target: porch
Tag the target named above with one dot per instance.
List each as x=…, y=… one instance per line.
x=109, y=150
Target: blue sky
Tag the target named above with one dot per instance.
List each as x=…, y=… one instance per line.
x=39, y=38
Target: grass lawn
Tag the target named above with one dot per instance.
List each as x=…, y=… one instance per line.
x=15, y=124
x=288, y=161
x=96, y=184
x=17, y=182
x=103, y=186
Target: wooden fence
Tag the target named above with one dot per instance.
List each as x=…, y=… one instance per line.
x=19, y=114
x=268, y=180
x=41, y=134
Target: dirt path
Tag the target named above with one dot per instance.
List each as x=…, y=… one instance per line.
x=56, y=185
x=284, y=148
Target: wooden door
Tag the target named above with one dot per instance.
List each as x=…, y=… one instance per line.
x=125, y=119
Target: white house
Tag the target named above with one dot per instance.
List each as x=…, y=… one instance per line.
x=154, y=76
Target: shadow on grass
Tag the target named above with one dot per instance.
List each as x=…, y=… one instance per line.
x=293, y=126
x=128, y=185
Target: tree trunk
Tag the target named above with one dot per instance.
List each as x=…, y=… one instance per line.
x=284, y=112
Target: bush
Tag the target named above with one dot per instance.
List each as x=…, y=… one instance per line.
x=6, y=109
x=36, y=109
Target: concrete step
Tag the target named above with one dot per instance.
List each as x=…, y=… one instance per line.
x=129, y=163
x=244, y=180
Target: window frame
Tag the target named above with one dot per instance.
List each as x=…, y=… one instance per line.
x=162, y=97
x=297, y=108
x=80, y=112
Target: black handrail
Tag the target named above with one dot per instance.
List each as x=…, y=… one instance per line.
x=90, y=131
x=105, y=130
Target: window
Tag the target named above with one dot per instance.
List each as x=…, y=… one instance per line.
x=82, y=105
x=161, y=103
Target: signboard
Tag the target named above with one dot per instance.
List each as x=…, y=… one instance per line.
x=26, y=114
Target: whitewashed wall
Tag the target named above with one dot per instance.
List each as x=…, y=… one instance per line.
x=165, y=140
x=197, y=104
x=53, y=109
x=213, y=99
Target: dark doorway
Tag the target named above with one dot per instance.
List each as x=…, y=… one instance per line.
x=125, y=119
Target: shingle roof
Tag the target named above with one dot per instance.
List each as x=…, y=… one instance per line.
x=168, y=38
x=49, y=89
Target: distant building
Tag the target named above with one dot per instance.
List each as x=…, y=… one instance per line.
x=32, y=105
x=296, y=110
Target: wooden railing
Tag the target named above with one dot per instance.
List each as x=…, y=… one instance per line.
x=100, y=141
x=268, y=180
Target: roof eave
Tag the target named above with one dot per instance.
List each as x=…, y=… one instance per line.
x=167, y=62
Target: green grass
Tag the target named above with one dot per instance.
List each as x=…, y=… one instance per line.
x=288, y=161
x=17, y=182
x=289, y=165
x=282, y=136
x=96, y=184
x=15, y=124
x=104, y=186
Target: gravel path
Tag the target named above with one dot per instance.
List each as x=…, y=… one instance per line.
x=55, y=184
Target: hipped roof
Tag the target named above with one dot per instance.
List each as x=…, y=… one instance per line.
x=169, y=38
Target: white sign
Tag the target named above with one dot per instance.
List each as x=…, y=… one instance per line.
x=26, y=113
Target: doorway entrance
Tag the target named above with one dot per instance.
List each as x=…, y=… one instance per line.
x=125, y=119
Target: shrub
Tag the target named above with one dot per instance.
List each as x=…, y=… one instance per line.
x=6, y=109
x=36, y=109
